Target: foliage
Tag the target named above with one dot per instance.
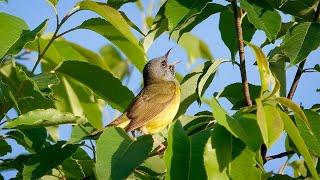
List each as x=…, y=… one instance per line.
x=76, y=84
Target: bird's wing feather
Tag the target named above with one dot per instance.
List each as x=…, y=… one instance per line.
x=150, y=102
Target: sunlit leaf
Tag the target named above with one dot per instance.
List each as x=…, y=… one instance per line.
x=294, y=134
x=43, y=118
x=184, y=154
x=262, y=16
x=228, y=157
x=79, y=71
x=116, y=26
x=130, y=154
x=300, y=41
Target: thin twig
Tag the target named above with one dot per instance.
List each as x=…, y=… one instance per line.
x=65, y=32
x=244, y=79
x=301, y=65
x=279, y=155
x=93, y=151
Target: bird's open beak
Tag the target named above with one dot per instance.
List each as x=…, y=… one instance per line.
x=167, y=54
x=174, y=63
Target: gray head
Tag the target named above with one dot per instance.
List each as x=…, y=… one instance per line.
x=159, y=70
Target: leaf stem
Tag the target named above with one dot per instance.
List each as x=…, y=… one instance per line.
x=245, y=86
x=41, y=54
x=301, y=65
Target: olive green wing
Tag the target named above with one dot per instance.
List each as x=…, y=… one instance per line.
x=149, y=103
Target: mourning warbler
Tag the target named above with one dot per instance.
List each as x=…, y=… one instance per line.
x=157, y=103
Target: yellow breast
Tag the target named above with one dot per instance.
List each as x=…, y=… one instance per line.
x=160, y=121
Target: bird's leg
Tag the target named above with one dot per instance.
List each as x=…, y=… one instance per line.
x=133, y=135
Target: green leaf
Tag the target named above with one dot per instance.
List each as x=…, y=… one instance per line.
x=118, y=3
x=189, y=87
x=11, y=32
x=7, y=96
x=300, y=41
x=262, y=16
x=226, y=157
x=294, y=134
x=31, y=139
x=184, y=155
x=78, y=165
x=47, y=159
x=299, y=168
x=310, y=136
x=317, y=68
x=179, y=11
x=45, y=81
x=79, y=133
x=5, y=148
x=303, y=10
x=195, y=47
x=209, y=9
x=270, y=123
x=208, y=76
x=229, y=33
x=295, y=108
x=265, y=73
x=159, y=26
x=43, y=118
x=16, y=163
x=241, y=126
x=127, y=42
x=78, y=70
x=120, y=151
x=76, y=98
x=237, y=99
x=284, y=28
x=53, y=2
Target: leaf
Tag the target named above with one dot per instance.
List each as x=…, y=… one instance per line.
x=79, y=133
x=226, y=157
x=7, y=96
x=120, y=151
x=159, y=26
x=265, y=73
x=5, y=148
x=118, y=3
x=31, y=139
x=127, y=42
x=310, y=136
x=45, y=81
x=206, y=76
x=11, y=32
x=237, y=99
x=78, y=165
x=78, y=70
x=294, y=134
x=76, y=98
x=195, y=47
x=179, y=11
x=193, y=21
x=184, y=155
x=53, y=2
x=300, y=41
x=262, y=16
x=240, y=125
x=295, y=108
x=299, y=168
x=301, y=9
x=284, y=28
x=189, y=86
x=229, y=33
x=43, y=118
x=47, y=159
x=317, y=68
x=270, y=123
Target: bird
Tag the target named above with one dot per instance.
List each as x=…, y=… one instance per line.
x=156, y=104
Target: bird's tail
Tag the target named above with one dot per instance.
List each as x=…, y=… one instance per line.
x=122, y=121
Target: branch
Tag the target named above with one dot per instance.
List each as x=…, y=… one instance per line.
x=244, y=79
x=301, y=65
x=279, y=155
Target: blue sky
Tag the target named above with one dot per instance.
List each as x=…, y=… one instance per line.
x=34, y=12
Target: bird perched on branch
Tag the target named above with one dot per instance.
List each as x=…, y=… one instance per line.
x=157, y=103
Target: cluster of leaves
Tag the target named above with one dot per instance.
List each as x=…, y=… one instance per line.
x=207, y=145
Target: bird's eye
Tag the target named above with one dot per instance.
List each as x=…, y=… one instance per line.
x=163, y=64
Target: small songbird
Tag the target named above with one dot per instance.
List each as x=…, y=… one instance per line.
x=157, y=103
